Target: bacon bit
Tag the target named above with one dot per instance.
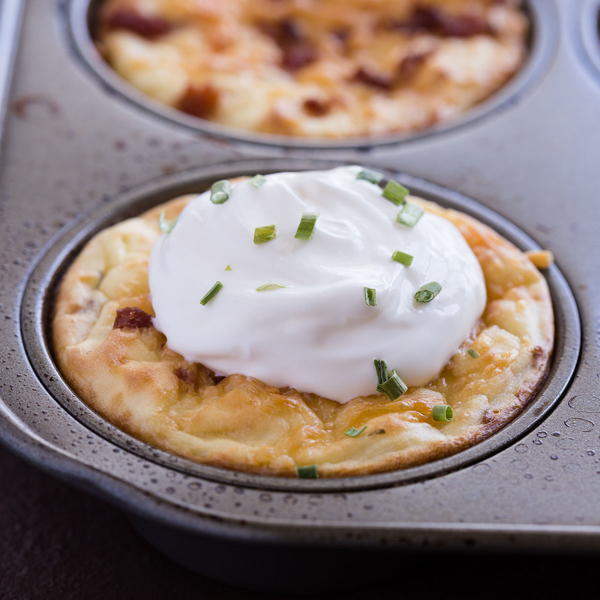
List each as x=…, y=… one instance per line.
x=132, y=318
x=367, y=77
x=316, y=107
x=463, y=25
x=422, y=18
x=409, y=67
x=342, y=36
x=146, y=26
x=297, y=50
x=199, y=101
x=187, y=375
x=538, y=355
x=298, y=55
x=430, y=18
x=542, y=259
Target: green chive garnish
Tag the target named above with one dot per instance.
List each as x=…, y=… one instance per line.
x=393, y=387
x=228, y=268
x=267, y=287
x=473, y=353
x=220, y=191
x=214, y=290
x=409, y=214
x=354, y=432
x=395, y=192
x=370, y=176
x=306, y=226
x=381, y=370
x=258, y=180
x=164, y=225
x=308, y=472
x=442, y=413
x=370, y=296
x=426, y=293
x=402, y=258
x=264, y=234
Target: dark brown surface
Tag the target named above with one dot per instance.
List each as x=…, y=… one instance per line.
x=59, y=543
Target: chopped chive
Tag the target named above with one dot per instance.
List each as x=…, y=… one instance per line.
x=258, y=181
x=264, y=234
x=426, y=293
x=393, y=387
x=306, y=226
x=214, y=290
x=381, y=370
x=370, y=296
x=395, y=192
x=164, y=225
x=220, y=191
x=308, y=472
x=370, y=176
x=409, y=215
x=267, y=287
x=473, y=353
x=402, y=258
x=228, y=268
x=354, y=432
x=442, y=413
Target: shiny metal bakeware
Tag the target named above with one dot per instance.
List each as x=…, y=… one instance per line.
x=80, y=151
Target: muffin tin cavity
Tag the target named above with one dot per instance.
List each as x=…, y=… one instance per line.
x=81, y=17
x=587, y=35
x=37, y=302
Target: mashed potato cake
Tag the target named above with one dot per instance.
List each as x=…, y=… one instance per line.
x=118, y=363
x=316, y=68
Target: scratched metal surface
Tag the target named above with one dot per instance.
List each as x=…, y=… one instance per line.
x=71, y=147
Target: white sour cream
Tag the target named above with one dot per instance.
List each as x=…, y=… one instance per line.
x=316, y=334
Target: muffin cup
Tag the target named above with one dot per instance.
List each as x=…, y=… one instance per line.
x=81, y=16
x=38, y=301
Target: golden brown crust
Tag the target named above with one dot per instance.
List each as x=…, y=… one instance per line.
x=130, y=377
x=316, y=68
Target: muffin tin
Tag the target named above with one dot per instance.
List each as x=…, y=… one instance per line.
x=77, y=158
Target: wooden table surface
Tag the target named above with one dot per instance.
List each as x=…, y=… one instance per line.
x=60, y=543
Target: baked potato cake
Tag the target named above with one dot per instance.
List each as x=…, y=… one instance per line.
x=109, y=349
x=316, y=68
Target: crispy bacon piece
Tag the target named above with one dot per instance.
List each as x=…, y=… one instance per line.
x=131, y=317
x=187, y=375
x=423, y=18
x=364, y=75
x=297, y=50
x=406, y=71
x=146, y=26
x=199, y=101
x=409, y=67
x=463, y=25
x=316, y=107
x=431, y=18
x=298, y=55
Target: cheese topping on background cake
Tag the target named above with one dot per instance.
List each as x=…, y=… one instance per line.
x=316, y=68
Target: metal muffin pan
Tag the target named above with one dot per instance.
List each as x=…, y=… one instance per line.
x=544, y=26
x=71, y=150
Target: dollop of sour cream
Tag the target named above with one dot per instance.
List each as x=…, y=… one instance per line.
x=316, y=334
